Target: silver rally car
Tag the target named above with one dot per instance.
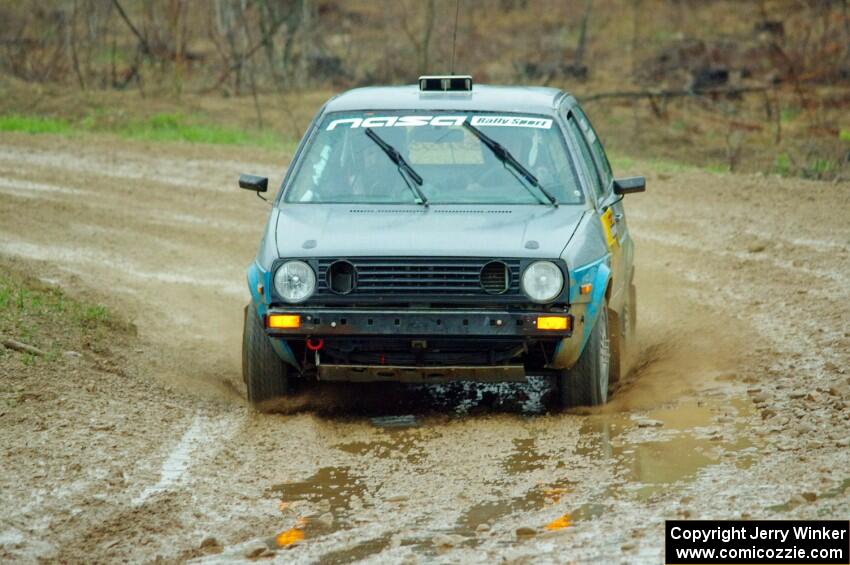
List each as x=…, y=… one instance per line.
x=443, y=231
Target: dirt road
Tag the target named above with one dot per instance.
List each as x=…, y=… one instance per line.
x=738, y=404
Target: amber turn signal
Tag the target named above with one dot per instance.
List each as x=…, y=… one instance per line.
x=553, y=322
x=284, y=321
x=585, y=288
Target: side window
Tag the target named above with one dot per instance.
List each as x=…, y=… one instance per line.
x=596, y=148
x=595, y=181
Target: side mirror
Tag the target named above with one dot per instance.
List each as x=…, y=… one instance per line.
x=629, y=185
x=253, y=182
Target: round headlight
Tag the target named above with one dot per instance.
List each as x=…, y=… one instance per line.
x=295, y=281
x=542, y=281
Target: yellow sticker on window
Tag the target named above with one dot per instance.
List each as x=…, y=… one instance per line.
x=453, y=146
x=424, y=153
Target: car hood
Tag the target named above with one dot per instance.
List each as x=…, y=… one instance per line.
x=346, y=230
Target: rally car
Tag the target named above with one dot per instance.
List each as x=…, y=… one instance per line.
x=443, y=231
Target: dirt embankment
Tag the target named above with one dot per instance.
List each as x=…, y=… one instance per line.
x=143, y=447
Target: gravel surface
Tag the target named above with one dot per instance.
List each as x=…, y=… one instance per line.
x=737, y=405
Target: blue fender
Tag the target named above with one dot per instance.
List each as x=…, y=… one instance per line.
x=597, y=299
x=260, y=302
x=585, y=311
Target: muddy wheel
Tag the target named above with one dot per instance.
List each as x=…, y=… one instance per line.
x=617, y=345
x=621, y=333
x=631, y=322
x=586, y=383
x=264, y=373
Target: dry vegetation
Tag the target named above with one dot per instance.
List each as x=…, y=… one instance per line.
x=750, y=85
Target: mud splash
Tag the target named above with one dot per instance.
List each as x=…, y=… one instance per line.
x=392, y=402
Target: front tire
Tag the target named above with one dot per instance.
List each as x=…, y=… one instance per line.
x=586, y=382
x=621, y=333
x=265, y=374
x=631, y=325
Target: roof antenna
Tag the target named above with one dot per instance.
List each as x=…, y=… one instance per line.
x=454, y=36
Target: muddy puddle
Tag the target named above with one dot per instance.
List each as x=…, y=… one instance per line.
x=840, y=490
x=653, y=453
x=669, y=446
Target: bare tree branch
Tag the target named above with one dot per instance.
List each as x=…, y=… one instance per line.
x=73, y=40
x=21, y=347
x=653, y=94
x=143, y=43
x=581, y=46
x=237, y=59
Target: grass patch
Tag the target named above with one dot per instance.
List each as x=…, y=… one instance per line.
x=817, y=169
x=844, y=135
x=789, y=114
x=44, y=317
x=782, y=165
x=164, y=127
x=33, y=124
x=177, y=127
x=94, y=314
x=716, y=168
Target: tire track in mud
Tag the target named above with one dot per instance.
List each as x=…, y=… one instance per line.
x=143, y=514
x=196, y=173
x=200, y=441
x=169, y=276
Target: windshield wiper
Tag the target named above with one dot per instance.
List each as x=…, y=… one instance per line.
x=403, y=166
x=503, y=155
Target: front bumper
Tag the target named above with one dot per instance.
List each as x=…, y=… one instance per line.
x=327, y=322
x=416, y=374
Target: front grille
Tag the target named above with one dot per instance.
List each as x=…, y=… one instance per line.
x=437, y=276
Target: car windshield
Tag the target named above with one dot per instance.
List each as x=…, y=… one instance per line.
x=342, y=164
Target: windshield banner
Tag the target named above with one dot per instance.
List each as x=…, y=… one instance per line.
x=444, y=120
